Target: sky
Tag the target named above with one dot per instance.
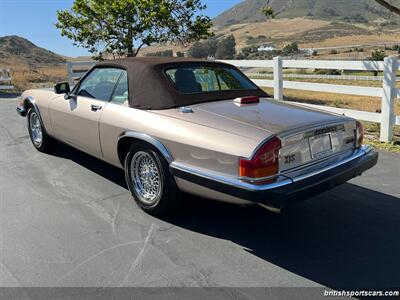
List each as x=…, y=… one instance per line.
x=35, y=19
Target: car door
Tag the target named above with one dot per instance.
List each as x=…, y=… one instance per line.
x=113, y=120
x=76, y=120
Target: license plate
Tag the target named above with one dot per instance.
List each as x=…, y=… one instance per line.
x=320, y=145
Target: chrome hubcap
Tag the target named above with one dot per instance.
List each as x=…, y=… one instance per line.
x=146, y=177
x=36, y=129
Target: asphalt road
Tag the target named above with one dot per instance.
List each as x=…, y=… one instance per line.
x=67, y=219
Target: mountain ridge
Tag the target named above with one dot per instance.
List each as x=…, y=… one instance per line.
x=360, y=11
x=16, y=50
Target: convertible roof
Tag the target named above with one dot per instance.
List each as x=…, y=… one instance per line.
x=150, y=88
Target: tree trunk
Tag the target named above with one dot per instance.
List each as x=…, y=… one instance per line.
x=138, y=49
x=130, y=44
x=129, y=41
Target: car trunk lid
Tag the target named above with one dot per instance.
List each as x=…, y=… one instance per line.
x=307, y=135
x=268, y=114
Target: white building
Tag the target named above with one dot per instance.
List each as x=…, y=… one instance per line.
x=266, y=48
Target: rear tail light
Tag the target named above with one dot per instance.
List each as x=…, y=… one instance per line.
x=265, y=162
x=247, y=100
x=359, y=134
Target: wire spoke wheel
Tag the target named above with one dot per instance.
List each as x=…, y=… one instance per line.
x=36, y=129
x=146, y=177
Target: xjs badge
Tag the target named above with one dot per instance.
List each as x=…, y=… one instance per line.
x=290, y=158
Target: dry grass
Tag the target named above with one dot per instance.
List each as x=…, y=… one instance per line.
x=308, y=32
x=25, y=78
x=344, y=54
x=331, y=81
x=278, y=29
x=370, y=83
x=371, y=104
x=371, y=137
x=378, y=38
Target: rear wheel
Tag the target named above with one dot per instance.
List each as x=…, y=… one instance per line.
x=148, y=178
x=39, y=138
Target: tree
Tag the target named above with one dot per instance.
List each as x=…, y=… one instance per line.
x=377, y=55
x=198, y=50
x=118, y=26
x=268, y=11
x=226, y=48
x=211, y=46
x=291, y=48
x=165, y=53
x=204, y=49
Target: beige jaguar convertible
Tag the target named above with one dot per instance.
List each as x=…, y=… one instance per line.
x=200, y=127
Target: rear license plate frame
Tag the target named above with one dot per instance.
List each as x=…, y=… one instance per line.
x=320, y=145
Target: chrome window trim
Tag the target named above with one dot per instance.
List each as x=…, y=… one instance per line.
x=149, y=139
x=283, y=180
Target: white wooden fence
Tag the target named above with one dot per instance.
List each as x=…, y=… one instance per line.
x=388, y=92
x=76, y=69
x=319, y=76
x=5, y=79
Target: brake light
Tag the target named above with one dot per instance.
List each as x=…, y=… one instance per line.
x=247, y=100
x=265, y=162
x=359, y=134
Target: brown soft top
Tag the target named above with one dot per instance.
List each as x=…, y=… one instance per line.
x=150, y=88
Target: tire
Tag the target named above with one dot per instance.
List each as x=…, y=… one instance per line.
x=149, y=181
x=39, y=138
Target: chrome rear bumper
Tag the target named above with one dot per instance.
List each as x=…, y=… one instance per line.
x=287, y=189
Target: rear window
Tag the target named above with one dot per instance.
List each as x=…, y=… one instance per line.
x=204, y=79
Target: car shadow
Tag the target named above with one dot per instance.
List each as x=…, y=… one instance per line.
x=346, y=237
x=91, y=163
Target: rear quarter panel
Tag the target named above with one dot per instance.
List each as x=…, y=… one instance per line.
x=192, y=144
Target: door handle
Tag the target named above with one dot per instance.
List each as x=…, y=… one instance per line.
x=95, y=107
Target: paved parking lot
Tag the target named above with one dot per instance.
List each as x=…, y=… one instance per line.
x=67, y=219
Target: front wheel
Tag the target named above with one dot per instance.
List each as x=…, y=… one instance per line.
x=148, y=178
x=40, y=140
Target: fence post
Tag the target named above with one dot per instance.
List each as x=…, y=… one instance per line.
x=388, y=96
x=278, y=78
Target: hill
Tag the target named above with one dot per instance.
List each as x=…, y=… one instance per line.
x=15, y=50
x=351, y=11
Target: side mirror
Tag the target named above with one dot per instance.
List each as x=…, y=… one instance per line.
x=62, y=88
